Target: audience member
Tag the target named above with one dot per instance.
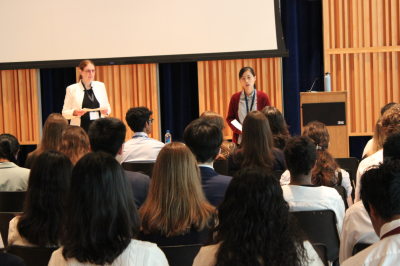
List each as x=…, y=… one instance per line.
x=390, y=125
x=278, y=126
x=108, y=135
x=255, y=227
x=375, y=143
x=141, y=148
x=257, y=147
x=301, y=193
x=12, y=177
x=326, y=172
x=45, y=202
x=74, y=143
x=204, y=140
x=227, y=147
x=51, y=139
x=101, y=220
x=176, y=211
x=380, y=192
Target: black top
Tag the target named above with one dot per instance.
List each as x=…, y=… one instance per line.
x=190, y=238
x=87, y=103
x=10, y=260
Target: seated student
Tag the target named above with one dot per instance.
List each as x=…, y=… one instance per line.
x=44, y=204
x=380, y=195
x=176, y=211
x=255, y=227
x=12, y=177
x=204, y=140
x=227, y=147
x=101, y=220
x=74, y=143
x=390, y=125
x=301, y=194
x=108, y=135
x=257, y=146
x=326, y=172
x=357, y=226
x=141, y=148
x=278, y=126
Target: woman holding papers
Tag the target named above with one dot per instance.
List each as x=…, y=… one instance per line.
x=249, y=99
x=86, y=94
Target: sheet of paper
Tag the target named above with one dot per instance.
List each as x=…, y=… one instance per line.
x=92, y=110
x=236, y=124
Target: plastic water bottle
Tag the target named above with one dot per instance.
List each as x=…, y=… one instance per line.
x=168, y=137
x=327, y=82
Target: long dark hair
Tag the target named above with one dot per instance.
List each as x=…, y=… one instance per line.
x=101, y=217
x=255, y=224
x=278, y=126
x=9, y=147
x=257, y=143
x=45, y=199
x=323, y=173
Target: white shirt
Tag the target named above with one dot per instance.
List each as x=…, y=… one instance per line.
x=383, y=253
x=302, y=198
x=137, y=253
x=141, y=149
x=368, y=147
x=373, y=160
x=242, y=111
x=13, y=177
x=285, y=180
x=357, y=228
x=206, y=255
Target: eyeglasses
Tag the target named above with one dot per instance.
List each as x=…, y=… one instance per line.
x=90, y=71
x=151, y=120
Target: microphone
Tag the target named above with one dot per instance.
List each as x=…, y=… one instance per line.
x=313, y=84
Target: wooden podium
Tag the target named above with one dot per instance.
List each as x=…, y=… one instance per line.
x=331, y=109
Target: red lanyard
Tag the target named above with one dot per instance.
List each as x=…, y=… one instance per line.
x=395, y=231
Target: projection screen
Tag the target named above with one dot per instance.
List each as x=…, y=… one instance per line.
x=49, y=33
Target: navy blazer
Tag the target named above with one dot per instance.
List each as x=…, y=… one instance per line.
x=140, y=184
x=214, y=185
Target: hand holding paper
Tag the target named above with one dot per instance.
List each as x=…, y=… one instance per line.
x=236, y=124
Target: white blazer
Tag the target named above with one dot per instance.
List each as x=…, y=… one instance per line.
x=74, y=97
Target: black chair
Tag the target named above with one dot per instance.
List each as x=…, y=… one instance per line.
x=5, y=218
x=322, y=252
x=32, y=256
x=320, y=227
x=342, y=192
x=12, y=201
x=350, y=165
x=181, y=255
x=277, y=174
x=360, y=247
x=144, y=168
x=221, y=167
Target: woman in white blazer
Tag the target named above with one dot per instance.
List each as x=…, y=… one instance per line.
x=85, y=94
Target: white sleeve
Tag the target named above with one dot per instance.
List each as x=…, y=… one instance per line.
x=68, y=109
x=339, y=210
x=315, y=260
x=346, y=182
x=346, y=246
x=285, y=178
x=360, y=172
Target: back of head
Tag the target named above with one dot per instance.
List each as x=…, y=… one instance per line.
x=255, y=224
x=300, y=155
x=176, y=201
x=386, y=107
x=391, y=147
x=391, y=120
x=203, y=139
x=52, y=130
x=257, y=142
x=213, y=118
x=137, y=118
x=46, y=198
x=377, y=141
x=276, y=120
x=381, y=188
x=74, y=143
x=101, y=216
x=107, y=134
x=325, y=168
x=9, y=147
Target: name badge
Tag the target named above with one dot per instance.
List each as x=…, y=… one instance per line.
x=94, y=115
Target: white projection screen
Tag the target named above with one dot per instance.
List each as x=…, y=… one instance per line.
x=60, y=33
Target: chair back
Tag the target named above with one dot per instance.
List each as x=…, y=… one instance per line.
x=5, y=218
x=144, y=168
x=320, y=227
x=181, y=255
x=12, y=201
x=342, y=192
x=350, y=165
x=360, y=247
x=32, y=256
x=322, y=252
x=277, y=174
x=221, y=167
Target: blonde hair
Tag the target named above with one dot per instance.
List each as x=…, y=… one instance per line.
x=176, y=202
x=226, y=149
x=74, y=143
x=213, y=118
x=377, y=141
x=391, y=120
